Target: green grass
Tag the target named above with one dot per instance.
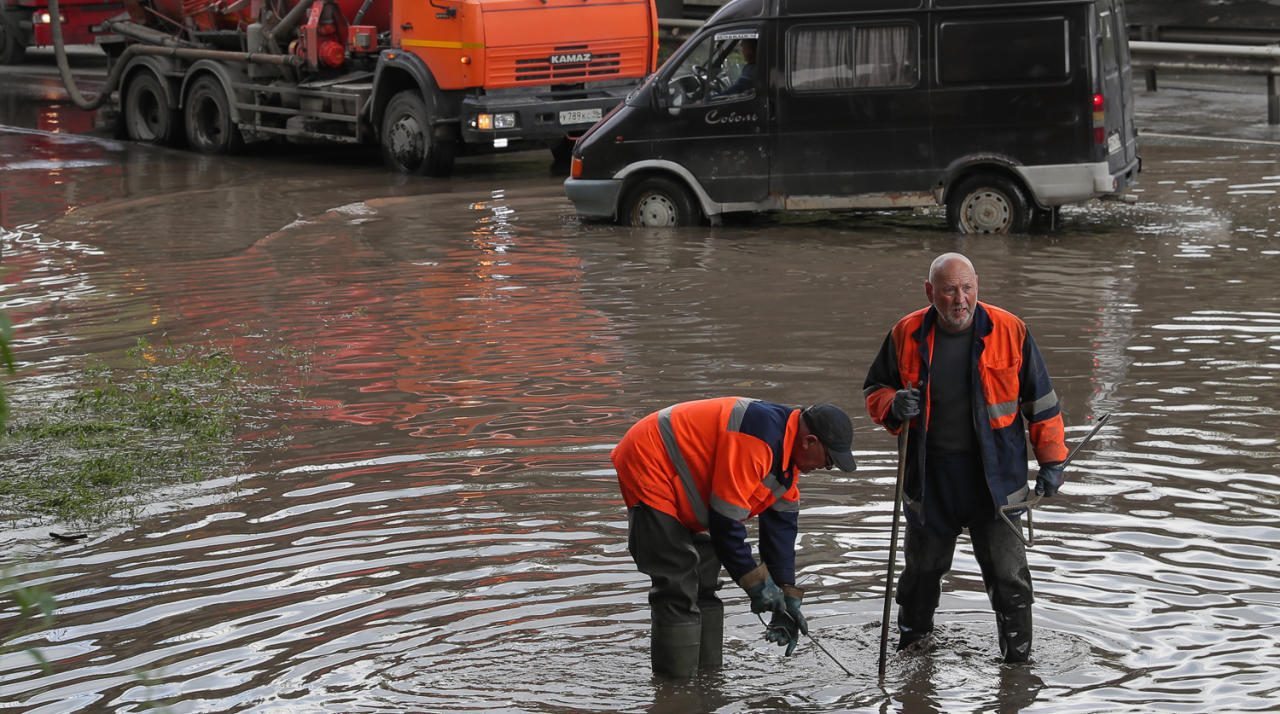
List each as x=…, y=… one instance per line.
x=169, y=416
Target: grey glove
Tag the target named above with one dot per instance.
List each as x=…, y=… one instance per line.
x=906, y=404
x=1049, y=479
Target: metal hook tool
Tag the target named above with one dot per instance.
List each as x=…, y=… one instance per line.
x=1034, y=499
x=811, y=638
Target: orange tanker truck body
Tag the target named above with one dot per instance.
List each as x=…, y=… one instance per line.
x=425, y=80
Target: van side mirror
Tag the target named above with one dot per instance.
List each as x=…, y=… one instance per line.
x=661, y=95
x=668, y=96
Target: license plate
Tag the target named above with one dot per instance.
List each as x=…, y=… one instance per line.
x=580, y=116
x=1113, y=143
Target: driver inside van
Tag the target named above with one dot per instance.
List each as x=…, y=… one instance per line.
x=746, y=81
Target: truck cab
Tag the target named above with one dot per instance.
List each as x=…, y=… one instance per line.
x=999, y=110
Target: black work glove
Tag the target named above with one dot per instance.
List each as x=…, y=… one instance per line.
x=1050, y=479
x=906, y=404
x=765, y=596
x=788, y=623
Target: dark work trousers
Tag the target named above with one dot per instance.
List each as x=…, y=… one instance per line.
x=681, y=564
x=998, y=549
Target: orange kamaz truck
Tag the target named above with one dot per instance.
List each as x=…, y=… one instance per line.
x=425, y=80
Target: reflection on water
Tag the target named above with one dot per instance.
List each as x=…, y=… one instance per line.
x=442, y=531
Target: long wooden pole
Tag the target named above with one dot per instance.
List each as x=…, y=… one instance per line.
x=893, y=548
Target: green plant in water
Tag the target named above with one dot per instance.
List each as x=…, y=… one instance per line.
x=30, y=601
x=6, y=361
x=168, y=417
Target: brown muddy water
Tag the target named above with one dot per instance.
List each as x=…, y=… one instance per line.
x=441, y=530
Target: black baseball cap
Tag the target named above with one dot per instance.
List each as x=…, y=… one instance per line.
x=835, y=430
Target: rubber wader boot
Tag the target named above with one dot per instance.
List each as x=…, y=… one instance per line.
x=674, y=650
x=912, y=631
x=711, y=653
x=1015, y=635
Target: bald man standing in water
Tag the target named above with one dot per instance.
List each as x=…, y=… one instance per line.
x=968, y=382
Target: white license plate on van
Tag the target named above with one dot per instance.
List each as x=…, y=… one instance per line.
x=580, y=116
x=1113, y=143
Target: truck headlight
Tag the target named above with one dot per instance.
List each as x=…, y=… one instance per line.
x=44, y=18
x=503, y=120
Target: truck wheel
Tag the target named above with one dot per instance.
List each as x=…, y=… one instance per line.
x=658, y=202
x=408, y=143
x=147, y=116
x=562, y=154
x=988, y=203
x=210, y=129
x=13, y=45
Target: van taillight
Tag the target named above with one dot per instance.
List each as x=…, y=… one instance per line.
x=1099, y=120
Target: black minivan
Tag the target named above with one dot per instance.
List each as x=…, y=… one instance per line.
x=1001, y=110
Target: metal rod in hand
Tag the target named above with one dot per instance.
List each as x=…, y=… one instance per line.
x=893, y=548
x=1034, y=499
x=833, y=657
x=811, y=637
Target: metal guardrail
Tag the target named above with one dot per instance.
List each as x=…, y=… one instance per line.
x=1149, y=57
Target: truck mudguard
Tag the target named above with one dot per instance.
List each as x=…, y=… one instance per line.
x=158, y=66
x=399, y=70
x=222, y=72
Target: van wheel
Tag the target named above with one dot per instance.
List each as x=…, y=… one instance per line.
x=147, y=115
x=409, y=144
x=988, y=203
x=207, y=111
x=659, y=202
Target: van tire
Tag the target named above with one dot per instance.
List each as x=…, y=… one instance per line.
x=409, y=141
x=659, y=202
x=988, y=203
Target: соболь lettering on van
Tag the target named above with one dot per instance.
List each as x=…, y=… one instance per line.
x=714, y=117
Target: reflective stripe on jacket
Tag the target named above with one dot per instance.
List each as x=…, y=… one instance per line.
x=714, y=463
x=1013, y=397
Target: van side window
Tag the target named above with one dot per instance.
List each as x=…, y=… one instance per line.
x=853, y=57
x=720, y=68
x=1033, y=49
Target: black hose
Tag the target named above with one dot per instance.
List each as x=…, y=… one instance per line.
x=113, y=77
x=360, y=13
x=55, y=20
x=290, y=20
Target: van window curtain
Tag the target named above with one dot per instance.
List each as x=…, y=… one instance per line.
x=884, y=57
x=822, y=58
x=853, y=57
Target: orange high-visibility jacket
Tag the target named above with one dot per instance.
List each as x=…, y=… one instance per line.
x=714, y=463
x=1014, y=398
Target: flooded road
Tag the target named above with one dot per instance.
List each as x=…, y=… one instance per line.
x=440, y=529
